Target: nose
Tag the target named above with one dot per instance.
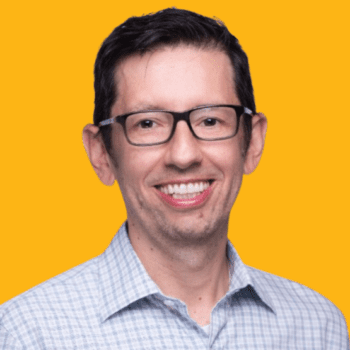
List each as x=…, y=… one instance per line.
x=183, y=149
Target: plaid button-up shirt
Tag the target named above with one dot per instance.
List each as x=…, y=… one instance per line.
x=110, y=302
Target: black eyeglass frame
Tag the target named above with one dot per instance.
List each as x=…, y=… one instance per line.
x=177, y=116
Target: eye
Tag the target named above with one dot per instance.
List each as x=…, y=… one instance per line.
x=146, y=124
x=210, y=121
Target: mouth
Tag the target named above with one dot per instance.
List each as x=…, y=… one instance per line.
x=185, y=194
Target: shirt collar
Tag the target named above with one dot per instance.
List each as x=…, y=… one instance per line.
x=241, y=279
x=124, y=280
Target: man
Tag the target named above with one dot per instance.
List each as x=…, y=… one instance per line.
x=175, y=124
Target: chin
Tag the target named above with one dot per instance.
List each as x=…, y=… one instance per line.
x=189, y=231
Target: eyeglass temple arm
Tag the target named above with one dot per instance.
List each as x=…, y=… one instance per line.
x=248, y=111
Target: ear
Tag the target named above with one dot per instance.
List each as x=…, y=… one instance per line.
x=257, y=141
x=97, y=154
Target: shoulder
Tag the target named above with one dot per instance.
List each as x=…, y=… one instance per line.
x=62, y=297
x=299, y=304
x=285, y=291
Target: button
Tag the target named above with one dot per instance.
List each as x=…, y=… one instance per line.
x=169, y=303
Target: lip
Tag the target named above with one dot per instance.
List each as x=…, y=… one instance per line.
x=186, y=203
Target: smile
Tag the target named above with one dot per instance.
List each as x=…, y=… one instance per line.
x=183, y=195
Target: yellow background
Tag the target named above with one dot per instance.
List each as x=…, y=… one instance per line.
x=292, y=215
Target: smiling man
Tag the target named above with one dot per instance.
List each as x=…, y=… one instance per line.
x=175, y=124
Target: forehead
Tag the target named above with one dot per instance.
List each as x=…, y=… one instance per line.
x=178, y=78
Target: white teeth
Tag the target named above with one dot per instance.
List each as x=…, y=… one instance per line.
x=184, y=191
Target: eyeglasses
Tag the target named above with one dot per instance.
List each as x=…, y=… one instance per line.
x=154, y=127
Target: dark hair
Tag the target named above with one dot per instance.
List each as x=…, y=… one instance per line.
x=170, y=27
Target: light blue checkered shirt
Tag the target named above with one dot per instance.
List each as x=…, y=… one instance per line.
x=110, y=302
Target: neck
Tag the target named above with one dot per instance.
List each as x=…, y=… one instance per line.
x=197, y=274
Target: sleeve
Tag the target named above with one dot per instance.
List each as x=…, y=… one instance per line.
x=8, y=342
x=337, y=336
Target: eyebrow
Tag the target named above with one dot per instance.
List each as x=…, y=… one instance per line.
x=146, y=107
x=156, y=107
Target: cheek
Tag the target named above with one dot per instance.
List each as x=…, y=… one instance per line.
x=135, y=164
x=228, y=157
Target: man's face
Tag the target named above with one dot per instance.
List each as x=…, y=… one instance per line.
x=177, y=79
